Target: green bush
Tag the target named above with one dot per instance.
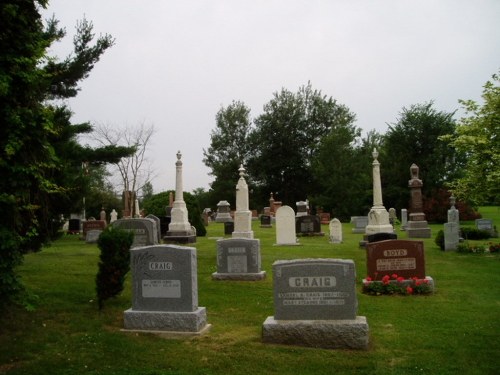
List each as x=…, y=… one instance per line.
x=439, y=240
x=114, y=262
x=470, y=233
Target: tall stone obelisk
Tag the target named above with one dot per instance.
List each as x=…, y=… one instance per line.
x=378, y=217
x=242, y=216
x=179, y=229
x=417, y=225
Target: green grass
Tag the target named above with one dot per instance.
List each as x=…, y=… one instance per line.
x=456, y=330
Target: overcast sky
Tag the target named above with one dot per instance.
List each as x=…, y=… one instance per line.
x=175, y=63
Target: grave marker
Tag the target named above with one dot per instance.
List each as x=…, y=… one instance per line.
x=238, y=259
x=144, y=230
x=285, y=226
x=335, y=231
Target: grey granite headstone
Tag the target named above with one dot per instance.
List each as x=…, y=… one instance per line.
x=156, y=219
x=404, y=218
x=238, y=259
x=360, y=223
x=315, y=305
x=165, y=290
x=451, y=236
x=145, y=233
x=485, y=224
x=92, y=236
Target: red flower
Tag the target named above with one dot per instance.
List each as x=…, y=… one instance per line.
x=400, y=279
x=425, y=281
x=418, y=282
x=394, y=276
x=409, y=290
x=368, y=278
x=385, y=279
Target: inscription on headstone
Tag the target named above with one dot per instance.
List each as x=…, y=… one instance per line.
x=335, y=231
x=401, y=257
x=238, y=259
x=307, y=224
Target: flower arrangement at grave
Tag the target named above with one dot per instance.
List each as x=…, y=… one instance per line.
x=394, y=284
x=478, y=249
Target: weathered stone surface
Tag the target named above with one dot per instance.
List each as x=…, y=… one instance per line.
x=92, y=236
x=328, y=334
x=193, y=321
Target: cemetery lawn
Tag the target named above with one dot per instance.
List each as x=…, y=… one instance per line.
x=456, y=330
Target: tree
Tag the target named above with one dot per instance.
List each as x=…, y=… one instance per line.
x=228, y=149
x=478, y=137
x=40, y=159
x=287, y=138
x=134, y=171
x=414, y=138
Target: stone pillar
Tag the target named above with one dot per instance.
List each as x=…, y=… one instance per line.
x=417, y=225
x=378, y=217
x=242, y=216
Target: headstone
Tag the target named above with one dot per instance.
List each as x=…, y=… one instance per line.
x=402, y=257
x=242, y=215
x=324, y=218
x=238, y=259
x=485, y=224
x=267, y=211
x=378, y=217
x=308, y=225
x=114, y=216
x=453, y=214
x=165, y=291
x=144, y=230
x=223, y=212
x=315, y=305
x=285, y=226
x=102, y=215
x=179, y=229
x=93, y=225
x=74, y=226
x=451, y=236
x=92, y=236
x=404, y=218
x=360, y=223
x=335, y=231
x=228, y=228
x=301, y=208
x=164, y=223
x=265, y=221
x=417, y=225
x=156, y=219
x=376, y=237
x=392, y=216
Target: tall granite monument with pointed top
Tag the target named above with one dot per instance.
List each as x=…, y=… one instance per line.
x=242, y=216
x=179, y=229
x=378, y=217
x=417, y=225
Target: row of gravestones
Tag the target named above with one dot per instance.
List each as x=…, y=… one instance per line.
x=314, y=299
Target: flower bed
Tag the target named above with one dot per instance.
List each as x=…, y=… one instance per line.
x=478, y=249
x=395, y=284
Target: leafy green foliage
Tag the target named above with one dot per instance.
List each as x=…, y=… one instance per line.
x=414, y=138
x=439, y=240
x=114, y=263
x=470, y=233
x=478, y=136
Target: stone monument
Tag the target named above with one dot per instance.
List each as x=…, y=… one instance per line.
x=452, y=228
x=242, y=215
x=417, y=225
x=179, y=229
x=223, y=214
x=335, y=227
x=285, y=226
x=114, y=216
x=315, y=305
x=378, y=217
x=165, y=291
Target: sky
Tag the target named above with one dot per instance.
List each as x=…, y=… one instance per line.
x=175, y=64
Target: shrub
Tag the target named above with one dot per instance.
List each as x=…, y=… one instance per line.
x=114, y=264
x=439, y=240
x=470, y=233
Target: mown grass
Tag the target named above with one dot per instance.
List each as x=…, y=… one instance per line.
x=456, y=330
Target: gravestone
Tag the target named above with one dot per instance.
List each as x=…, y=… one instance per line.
x=114, y=216
x=144, y=230
x=402, y=257
x=223, y=212
x=285, y=226
x=451, y=236
x=74, y=226
x=360, y=223
x=381, y=237
x=238, y=259
x=301, y=208
x=485, y=224
x=315, y=305
x=158, y=226
x=102, y=215
x=93, y=225
x=242, y=215
x=417, y=226
x=335, y=231
x=308, y=225
x=265, y=221
x=228, y=227
x=392, y=216
x=453, y=213
x=165, y=291
x=324, y=218
x=404, y=218
x=92, y=236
